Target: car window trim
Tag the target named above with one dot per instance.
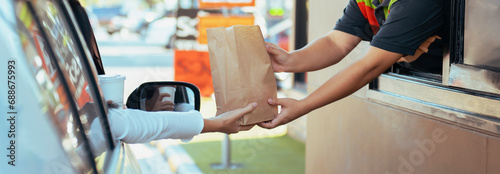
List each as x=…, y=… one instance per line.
x=64, y=81
x=88, y=70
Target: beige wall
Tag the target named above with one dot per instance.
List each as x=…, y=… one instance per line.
x=322, y=20
x=356, y=136
x=323, y=14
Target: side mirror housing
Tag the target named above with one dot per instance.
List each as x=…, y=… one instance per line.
x=165, y=96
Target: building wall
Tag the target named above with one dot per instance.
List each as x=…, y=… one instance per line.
x=371, y=138
x=297, y=129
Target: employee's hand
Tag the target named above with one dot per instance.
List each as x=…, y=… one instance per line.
x=163, y=106
x=279, y=57
x=291, y=109
x=229, y=122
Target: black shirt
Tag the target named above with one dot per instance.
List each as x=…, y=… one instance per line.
x=408, y=24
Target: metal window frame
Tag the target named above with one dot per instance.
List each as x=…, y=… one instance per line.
x=455, y=72
x=88, y=70
x=467, y=97
x=114, y=145
x=455, y=106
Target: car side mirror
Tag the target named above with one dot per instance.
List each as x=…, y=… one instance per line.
x=165, y=96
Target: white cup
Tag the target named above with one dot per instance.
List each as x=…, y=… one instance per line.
x=167, y=89
x=112, y=88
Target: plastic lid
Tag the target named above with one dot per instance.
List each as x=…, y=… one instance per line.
x=111, y=77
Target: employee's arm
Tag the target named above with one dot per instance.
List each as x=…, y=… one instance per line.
x=320, y=53
x=337, y=87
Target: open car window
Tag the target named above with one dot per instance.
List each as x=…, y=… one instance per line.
x=61, y=68
x=52, y=87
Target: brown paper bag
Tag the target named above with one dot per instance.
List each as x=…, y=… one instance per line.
x=241, y=71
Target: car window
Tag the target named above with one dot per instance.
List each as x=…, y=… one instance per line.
x=58, y=103
x=57, y=64
x=71, y=59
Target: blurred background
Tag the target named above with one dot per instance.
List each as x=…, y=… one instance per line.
x=165, y=40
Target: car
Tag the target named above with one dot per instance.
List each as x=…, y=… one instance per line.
x=133, y=19
x=105, y=14
x=53, y=95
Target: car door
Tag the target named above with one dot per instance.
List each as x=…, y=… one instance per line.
x=64, y=92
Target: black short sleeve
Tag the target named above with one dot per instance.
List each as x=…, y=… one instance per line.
x=409, y=24
x=353, y=22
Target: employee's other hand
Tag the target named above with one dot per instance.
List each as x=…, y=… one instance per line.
x=229, y=122
x=163, y=105
x=279, y=57
x=291, y=109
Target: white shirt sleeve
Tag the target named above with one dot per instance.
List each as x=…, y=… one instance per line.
x=137, y=126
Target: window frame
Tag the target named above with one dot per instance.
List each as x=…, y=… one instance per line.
x=466, y=104
x=63, y=80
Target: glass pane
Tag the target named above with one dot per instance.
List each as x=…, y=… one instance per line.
x=69, y=59
x=57, y=102
x=63, y=46
x=167, y=98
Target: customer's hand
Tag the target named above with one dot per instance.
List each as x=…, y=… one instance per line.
x=279, y=57
x=163, y=105
x=291, y=109
x=229, y=122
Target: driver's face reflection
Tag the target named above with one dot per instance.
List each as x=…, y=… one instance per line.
x=162, y=99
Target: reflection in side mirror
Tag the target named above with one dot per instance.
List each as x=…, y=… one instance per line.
x=165, y=96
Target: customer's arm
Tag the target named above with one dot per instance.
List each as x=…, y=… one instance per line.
x=137, y=126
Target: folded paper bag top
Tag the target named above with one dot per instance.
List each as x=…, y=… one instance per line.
x=241, y=71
